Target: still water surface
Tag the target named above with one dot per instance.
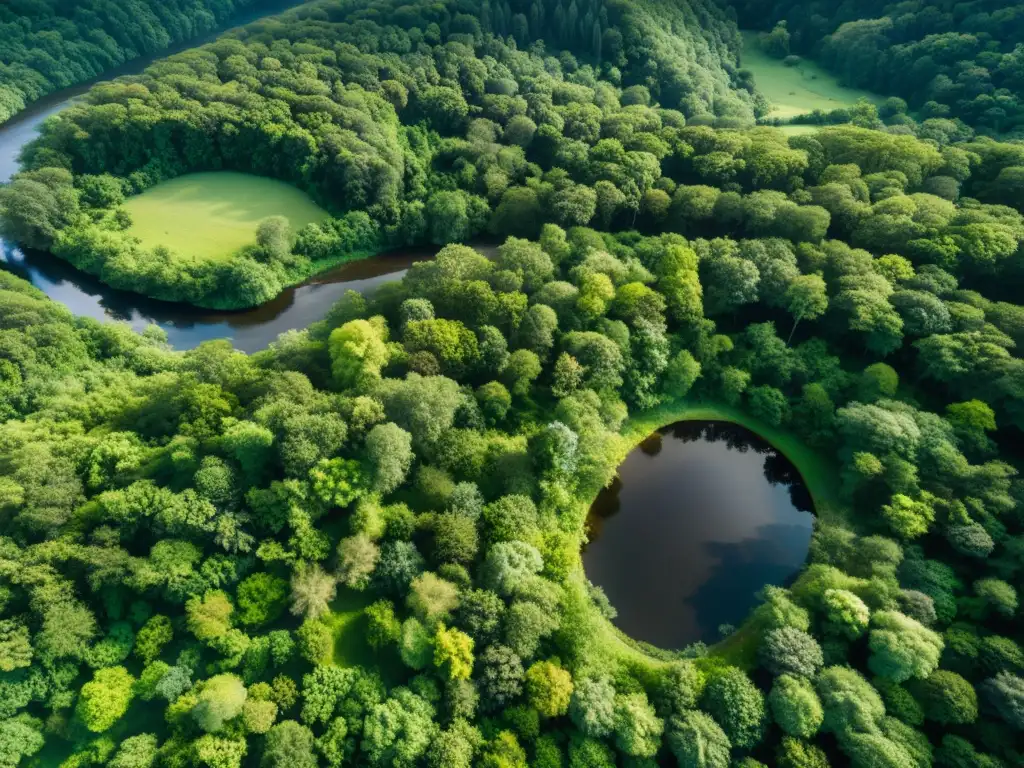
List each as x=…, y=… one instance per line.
x=702, y=515
x=186, y=326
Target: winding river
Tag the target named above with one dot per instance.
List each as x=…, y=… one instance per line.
x=700, y=517
x=186, y=326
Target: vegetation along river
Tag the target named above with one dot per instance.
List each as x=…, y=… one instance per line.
x=702, y=515
x=186, y=326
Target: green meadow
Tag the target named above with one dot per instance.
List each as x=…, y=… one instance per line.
x=797, y=90
x=210, y=216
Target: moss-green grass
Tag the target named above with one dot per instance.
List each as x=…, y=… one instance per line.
x=819, y=472
x=347, y=622
x=210, y=216
x=796, y=90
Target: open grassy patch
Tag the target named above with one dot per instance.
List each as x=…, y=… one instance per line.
x=347, y=622
x=796, y=90
x=209, y=216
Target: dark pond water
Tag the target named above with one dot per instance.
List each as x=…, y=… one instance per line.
x=702, y=515
x=186, y=326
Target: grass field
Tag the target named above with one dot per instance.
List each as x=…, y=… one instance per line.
x=796, y=90
x=212, y=215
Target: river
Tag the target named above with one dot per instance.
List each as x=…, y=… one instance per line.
x=700, y=517
x=186, y=326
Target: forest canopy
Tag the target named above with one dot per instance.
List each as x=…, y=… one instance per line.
x=46, y=45
x=962, y=60
x=361, y=545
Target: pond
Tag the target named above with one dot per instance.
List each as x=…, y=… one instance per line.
x=186, y=326
x=702, y=515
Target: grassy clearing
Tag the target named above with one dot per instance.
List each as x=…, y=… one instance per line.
x=820, y=474
x=796, y=90
x=212, y=215
x=347, y=622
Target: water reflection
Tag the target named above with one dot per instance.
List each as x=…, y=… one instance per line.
x=701, y=516
x=188, y=326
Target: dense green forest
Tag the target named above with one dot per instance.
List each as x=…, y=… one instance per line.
x=947, y=59
x=418, y=124
x=361, y=545
x=416, y=116
x=46, y=45
x=186, y=535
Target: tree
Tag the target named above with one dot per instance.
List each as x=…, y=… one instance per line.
x=15, y=647
x=902, y=648
x=508, y=563
x=769, y=404
x=312, y=591
x=846, y=613
x=357, y=351
x=338, y=482
x=520, y=130
x=499, y=677
x=453, y=652
x=322, y=691
x=549, y=688
x=519, y=213
x=574, y=205
x=398, y=564
x=681, y=374
x=1005, y=694
x=737, y=705
x=795, y=706
x=946, y=698
x=274, y=238
x=289, y=745
x=454, y=747
x=997, y=595
x=522, y=368
x=637, y=727
x=136, y=752
x=526, y=624
x=431, y=598
x=794, y=753
x=537, y=330
x=697, y=741
x=806, y=298
x=383, y=627
x=415, y=645
x=104, y=699
x=455, y=216
x=357, y=559
x=528, y=260
x=790, y=651
x=220, y=699
x=389, y=450
x=261, y=599
x=399, y=730
x=850, y=702
x=592, y=706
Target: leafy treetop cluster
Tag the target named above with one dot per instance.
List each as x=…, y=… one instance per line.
x=439, y=133
x=183, y=531
x=46, y=45
x=961, y=60
x=423, y=117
